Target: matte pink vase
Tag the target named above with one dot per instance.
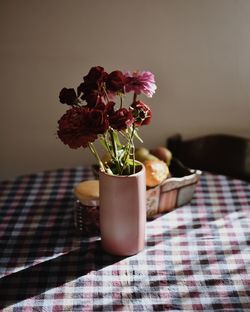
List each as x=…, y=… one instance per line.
x=123, y=213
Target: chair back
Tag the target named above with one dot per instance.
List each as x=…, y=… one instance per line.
x=218, y=153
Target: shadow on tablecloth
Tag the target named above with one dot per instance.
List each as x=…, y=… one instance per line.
x=39, y=278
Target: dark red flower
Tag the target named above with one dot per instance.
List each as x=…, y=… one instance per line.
x=121, y=119
x=80, y=126
x=110, y=108
x=92, y=87
x=72, y=130
x=95, y=75
x=116, y=81
x=93, y=98
x=68, y=96
x=97, y=121
x=141, y=112
x=81, y=88
x=100, y=104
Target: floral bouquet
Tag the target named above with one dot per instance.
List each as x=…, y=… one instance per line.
x=98, y=112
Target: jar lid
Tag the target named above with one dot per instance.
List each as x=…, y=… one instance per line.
x=87, y=192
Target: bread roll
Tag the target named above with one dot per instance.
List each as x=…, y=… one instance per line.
x=156, y=172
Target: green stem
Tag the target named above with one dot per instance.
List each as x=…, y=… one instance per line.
x=113, y=143
x=95, y=153
x=121, y=101
x=128, y=150
x=135, y=97
x=133, y=147
x=107, y=144
x=106, y=94
x=115, y=150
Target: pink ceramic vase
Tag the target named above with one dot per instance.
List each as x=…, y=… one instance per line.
x=123, y=212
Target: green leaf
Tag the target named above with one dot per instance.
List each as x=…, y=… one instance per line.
x=104, y=144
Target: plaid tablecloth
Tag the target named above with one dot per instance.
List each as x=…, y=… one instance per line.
x=197, y=258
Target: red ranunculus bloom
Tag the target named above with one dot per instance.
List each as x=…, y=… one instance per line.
x=68, y=96
x=100, y=104
x=95, y=75
x=72, y=130
x=94, y=99
x=91, y=89
x=115, y=81
x=97, y=121
x=80, y=126
x=86, y=88
x=121, y=119
x=95, y=112
x=110, y=108
x=92, y=96
x=142, y=113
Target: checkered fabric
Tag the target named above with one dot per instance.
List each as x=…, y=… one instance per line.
x=197, y=257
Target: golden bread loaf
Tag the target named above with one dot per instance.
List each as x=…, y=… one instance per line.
x=156, y=172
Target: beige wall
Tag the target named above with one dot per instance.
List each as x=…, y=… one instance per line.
x=199, y=51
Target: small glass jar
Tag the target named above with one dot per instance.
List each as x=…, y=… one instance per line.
x=86, y=208
x=86, y=219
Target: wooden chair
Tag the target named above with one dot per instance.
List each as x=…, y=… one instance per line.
x=217, y=153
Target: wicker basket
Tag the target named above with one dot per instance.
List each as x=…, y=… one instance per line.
x=172, y=193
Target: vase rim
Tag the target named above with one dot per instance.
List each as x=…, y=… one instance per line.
x=127, y=175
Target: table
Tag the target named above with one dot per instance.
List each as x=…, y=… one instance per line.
x=197, y=257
